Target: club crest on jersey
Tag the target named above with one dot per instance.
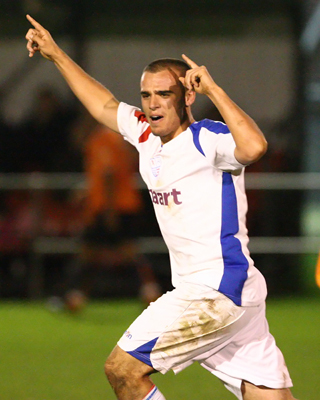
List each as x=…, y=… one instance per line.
x=155, y=163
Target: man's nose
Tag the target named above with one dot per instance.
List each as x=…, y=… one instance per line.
x=153, y=102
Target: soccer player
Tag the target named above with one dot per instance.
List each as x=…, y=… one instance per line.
x=194, y=171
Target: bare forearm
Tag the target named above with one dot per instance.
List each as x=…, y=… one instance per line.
x=95, y=97
x=250, y=141
x=99, y=101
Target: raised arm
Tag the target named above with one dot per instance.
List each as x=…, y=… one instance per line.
x=98, y=100
x=250, y=141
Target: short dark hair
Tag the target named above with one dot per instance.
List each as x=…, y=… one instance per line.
x=167, y=63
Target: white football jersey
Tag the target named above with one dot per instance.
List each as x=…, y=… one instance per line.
x=198, y=192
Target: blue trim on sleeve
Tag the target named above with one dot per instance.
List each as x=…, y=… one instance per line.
x=150, y=394
x=213, y=126
x=235, y=263
x=143, y=352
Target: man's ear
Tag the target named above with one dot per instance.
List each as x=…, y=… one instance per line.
x=190, y=97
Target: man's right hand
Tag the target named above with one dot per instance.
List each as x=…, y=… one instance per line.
x=96, y=98
x=39, y=39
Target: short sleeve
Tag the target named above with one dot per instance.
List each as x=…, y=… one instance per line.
x=218, y=145
x=224, y=157
x=132, y=123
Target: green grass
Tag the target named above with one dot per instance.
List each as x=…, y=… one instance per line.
x=58, y=356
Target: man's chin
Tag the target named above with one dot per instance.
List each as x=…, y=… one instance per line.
x=157, y=132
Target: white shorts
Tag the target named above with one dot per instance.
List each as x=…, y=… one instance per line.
x=192, y=324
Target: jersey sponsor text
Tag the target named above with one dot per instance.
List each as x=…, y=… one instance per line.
x=162, y=198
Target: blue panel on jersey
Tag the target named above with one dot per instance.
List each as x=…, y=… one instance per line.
x=143, y=352
x=213, y=126
x=235, y=263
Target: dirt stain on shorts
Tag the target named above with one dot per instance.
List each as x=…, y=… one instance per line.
x=198, y=326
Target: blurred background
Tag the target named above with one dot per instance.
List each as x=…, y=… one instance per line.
x=265, y=54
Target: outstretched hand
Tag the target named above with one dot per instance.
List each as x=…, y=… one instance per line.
x=39, y=39
x=197, y=78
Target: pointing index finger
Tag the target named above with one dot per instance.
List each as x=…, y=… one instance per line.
x=34, y=22
x=191, y=63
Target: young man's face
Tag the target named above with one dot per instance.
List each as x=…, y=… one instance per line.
x=163, y=102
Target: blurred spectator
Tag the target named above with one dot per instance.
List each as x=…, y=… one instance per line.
x=60, y=215
x=41, y=143
x=9, y=157
x=112, y=206
x=45, y=136
x=16, y=226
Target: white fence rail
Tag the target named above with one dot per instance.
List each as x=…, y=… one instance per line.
x=254, y=180
x=257, y=181
x=41, y=246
